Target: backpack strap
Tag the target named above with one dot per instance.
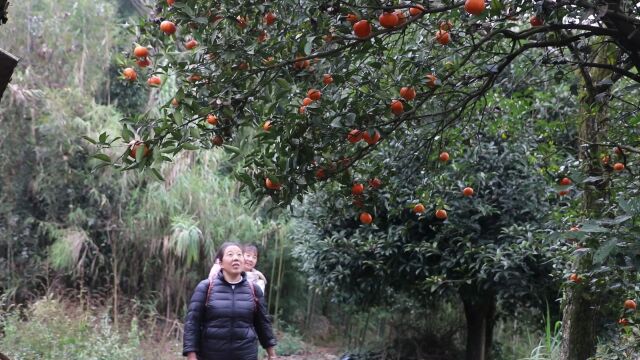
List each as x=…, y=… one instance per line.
x=255, y=297
x=211, y=278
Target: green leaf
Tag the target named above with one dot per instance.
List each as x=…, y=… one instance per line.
x=89, y=139
x=189, y=146
x=103, y=157
x=593, y=228
x=157, y=174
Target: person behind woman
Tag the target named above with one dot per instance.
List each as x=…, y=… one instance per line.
x=227, y=314
x=250, y=261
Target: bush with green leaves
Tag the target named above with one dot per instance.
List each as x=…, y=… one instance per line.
x=52, y=330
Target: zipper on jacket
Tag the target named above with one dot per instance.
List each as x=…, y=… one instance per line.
x=233, y=310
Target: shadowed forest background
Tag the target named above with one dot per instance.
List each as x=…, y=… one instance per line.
x=100, y=263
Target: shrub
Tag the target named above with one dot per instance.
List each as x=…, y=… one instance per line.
x=51, y=330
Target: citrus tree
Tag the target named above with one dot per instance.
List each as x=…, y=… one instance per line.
x=489, y=248
x=308, y=81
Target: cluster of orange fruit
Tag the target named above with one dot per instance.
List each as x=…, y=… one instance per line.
x=357, y=190
x=629, y=304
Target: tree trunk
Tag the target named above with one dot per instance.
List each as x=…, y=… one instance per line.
x=580, y=309
x=480, y=312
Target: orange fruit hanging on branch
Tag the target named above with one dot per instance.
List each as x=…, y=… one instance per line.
x=408, y=93
x=168, y=27
x=371, y=139
x=416, y=10
x=388, y=20
x=443, y=37
x=362, y=29
x=154, y=81
x=269, y=18
x=474, y=7
x=366, y=218
x=397, y=107
x=441, y=214
x=130, y=74
x=140, y=52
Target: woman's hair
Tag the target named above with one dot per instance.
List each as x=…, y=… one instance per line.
x=251, y=248
x=223, y=247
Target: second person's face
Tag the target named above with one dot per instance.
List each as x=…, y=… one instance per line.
x=250, y=260
x=232, y=260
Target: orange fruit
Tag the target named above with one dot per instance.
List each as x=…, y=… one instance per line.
x=446, y=25
x=397, y=107
x=130, y=74
x=419, y=209
x=474, y=7
x=563, y=192
x=143, y=63
x=154, y=81
x=241, y=22
x=388, y=20
x=134, y=149
x=618, y=166
x=623, y=322
x=441, y=214
x=191, y=44
x=416, y=10
x=212, y=119
x=301, y=64
x=302, y=110
x=266, y=126
x=366, y=218
x=575, y=278
x=443, y=37
x=174, y=102
x=262, y=37
x=375, y=183
x=321, y=174
x=630, y=304
x=269, y=18
x=168, y=27
x=171, y=2
x=565, y=181
x=408, y=93
x=371, y=139
x=357, y=189
x=352, y=18
x=574, y=228
x=362, y=28
x=271, y=185
x=307, y=101
x=444, y=156
x=401, y=16
x=354, y=136
x=217, y=140
x=314, y=94
x=467, y=191
x=536, y=21
x=432, y=81
x=140, y=52
x=194, y=78
x=327, y=79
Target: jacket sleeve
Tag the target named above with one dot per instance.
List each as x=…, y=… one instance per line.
x=262, y=323
x=193, y=321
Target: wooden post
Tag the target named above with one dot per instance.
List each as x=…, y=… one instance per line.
x=8, y=62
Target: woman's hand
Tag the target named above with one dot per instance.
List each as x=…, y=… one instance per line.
x=192, y=356
x=271, y=353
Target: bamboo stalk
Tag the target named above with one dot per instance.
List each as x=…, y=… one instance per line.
x=279, y=289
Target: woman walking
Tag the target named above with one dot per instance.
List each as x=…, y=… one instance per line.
x=227, y=314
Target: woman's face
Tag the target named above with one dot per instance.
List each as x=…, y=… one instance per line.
x=232, y=260
x=250, y=259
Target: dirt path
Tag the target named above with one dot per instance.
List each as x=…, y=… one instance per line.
x=317, y=353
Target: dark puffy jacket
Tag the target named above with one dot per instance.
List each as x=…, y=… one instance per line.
x=229, y=325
